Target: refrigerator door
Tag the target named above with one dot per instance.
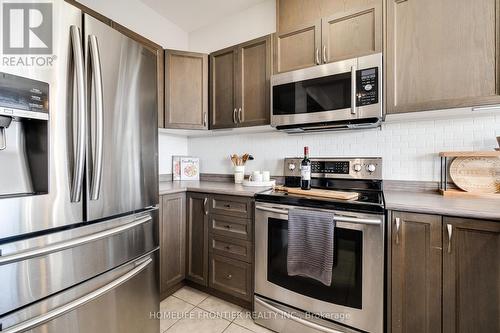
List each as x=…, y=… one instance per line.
x=123, y=300
x=38, y=267
x=122, y=166
x=25, y=214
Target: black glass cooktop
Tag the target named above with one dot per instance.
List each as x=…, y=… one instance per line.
x=371, y=198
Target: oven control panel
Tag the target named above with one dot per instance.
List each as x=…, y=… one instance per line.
x=367, y=86
x=347, y=168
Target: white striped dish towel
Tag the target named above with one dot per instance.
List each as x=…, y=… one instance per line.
x=310, y=244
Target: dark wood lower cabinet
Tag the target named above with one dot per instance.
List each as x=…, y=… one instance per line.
x=172, y=241
x=234, y=277
x=416, y=273
x=197, y=238
x=471, y=275
x=445, y=274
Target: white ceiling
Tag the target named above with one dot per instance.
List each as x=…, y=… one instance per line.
x=191, y=15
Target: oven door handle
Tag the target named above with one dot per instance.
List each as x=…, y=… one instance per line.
x=290, y=316
x=336, y=218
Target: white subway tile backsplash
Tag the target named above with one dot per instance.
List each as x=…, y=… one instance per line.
x=409, y=149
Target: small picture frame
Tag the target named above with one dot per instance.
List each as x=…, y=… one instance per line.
x=185, y=168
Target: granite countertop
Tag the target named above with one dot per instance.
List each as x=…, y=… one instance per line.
x=409, y=201
x=209, y=187
x=435, y=203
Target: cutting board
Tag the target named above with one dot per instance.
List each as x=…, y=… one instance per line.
x=477, y=174
x=319, y=193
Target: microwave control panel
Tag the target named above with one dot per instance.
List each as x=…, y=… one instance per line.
x=367, y=86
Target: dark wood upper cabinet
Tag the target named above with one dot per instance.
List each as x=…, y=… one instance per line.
x=297, y=48
x=471, y=275
x=253, y=82
x=222, y=89
x=172, y=241
x=239, y=85
x=197, y=238
x=353, y=33
x=416, y=273
x=442, y=54
x=315, y=32
x=186, y=90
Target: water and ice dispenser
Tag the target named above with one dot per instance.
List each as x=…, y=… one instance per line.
x=24, y=139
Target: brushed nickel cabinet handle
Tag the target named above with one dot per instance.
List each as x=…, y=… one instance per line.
x=228, y=247
x=317, y=56
x=398, y=224
x=229, y=276
x=205, y=119
x=205, y=201
x=227, y=226
x=234, y=115
x=449, y=227
x=325, y=60
x=240, y=115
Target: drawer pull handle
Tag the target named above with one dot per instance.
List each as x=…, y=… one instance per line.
x=227, y=226
x=227, y=205
x=229, y=276
x=228, y=247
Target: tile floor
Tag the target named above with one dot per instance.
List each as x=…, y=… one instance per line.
x=193, y=311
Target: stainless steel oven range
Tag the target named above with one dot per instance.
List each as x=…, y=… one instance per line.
x=354, y=301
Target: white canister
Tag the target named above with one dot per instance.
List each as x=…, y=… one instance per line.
x=239, y=174
x=266, y=176
x=256, y=176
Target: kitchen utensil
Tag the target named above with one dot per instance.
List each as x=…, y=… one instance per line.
x=319, y=193
x=479, y=174
x=266, y=176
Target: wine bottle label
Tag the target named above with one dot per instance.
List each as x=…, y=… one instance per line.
x=305, y=172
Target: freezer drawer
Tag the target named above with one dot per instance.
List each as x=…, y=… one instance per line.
x=39, y=267
x=123, y=300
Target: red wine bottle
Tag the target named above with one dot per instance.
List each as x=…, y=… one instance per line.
x=305, y=171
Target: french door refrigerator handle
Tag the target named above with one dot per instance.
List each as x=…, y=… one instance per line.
x=37, y=252
x=95, y=59
x=81, y=126
x=46, y=317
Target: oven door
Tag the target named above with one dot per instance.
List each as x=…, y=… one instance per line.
x=326, y=93
x=355, y=297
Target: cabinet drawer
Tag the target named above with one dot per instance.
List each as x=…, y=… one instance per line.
x=232, y=206
x=231, y=276
x=230, y=247
x=230, y=226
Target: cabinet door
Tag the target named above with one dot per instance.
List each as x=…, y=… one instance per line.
x=442, y=54
x=186, y=90
x=172, y=240
x=197, y=238
x=297, y=48
x=471, y=275
x=253, y=75
x=416, y=273
x=222, y=89
x=351, y=34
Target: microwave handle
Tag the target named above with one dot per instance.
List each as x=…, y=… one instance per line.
x=353, y=89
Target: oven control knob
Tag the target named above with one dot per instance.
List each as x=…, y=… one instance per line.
x=357, y=167
x=371, y=168
x=291, y=166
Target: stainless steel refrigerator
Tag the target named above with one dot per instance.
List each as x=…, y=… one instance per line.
x=79, y=184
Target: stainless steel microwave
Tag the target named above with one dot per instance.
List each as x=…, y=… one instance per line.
x=340, y=95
